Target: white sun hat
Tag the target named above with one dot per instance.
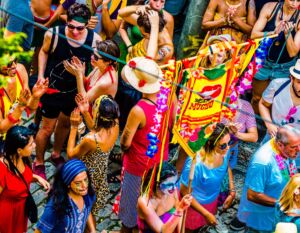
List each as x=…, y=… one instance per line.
x=295, y=70
x=286, y=227
x=143, y=74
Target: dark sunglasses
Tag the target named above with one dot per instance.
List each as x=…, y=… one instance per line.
x=72, y=27
x=97, y=57
x=10, y=64
x=224, y=145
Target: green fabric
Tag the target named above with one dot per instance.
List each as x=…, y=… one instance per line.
x=80, y=19
x=215, y=73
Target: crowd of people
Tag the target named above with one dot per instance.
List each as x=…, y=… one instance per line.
x=80, y=91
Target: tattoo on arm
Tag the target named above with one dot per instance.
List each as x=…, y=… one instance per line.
x=125, y=137
x=163, y=52
x=252, y=4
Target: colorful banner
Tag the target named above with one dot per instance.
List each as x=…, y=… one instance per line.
x=211, y=88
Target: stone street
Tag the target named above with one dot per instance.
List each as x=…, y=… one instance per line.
x=108, y=221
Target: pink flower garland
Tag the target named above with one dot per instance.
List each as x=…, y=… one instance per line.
x=286, y=173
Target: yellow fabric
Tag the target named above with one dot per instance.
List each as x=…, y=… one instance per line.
x=196, y=111
x=6, y=101
x=137, y=51
x=237, y=36
x=114, y=6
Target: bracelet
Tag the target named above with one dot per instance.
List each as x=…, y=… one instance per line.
x=232, y=190
x=129, y=46
x=177, y=214
x=265, y=34
x=12, y=119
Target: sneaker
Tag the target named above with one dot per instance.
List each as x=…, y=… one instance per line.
x=236, y=225
x=39, y=170
x=57, y=161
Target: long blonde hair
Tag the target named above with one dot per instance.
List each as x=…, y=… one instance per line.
x=286, y=201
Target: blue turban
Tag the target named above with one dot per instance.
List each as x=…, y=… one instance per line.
x=71, y=169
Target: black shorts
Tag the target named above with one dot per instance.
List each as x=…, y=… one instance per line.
x=53, y=105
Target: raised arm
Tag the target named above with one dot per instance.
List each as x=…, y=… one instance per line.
x=247, y=26
x=292, y=44
x=208, y=21
x=84, y=146
x=257, y=31
x=110, y=26
x=56, y=16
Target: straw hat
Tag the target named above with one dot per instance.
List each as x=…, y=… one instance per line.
x=143, y=74
x=286, y=227
x=295, y=70
x=221, y=38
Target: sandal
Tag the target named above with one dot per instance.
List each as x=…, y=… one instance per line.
x=57, y=161
x=111, y=178
x=116, y=156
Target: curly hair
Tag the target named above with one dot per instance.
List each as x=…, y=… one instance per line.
x=78, y=10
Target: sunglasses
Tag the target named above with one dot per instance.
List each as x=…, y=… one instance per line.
x=97, y=57
x=224, y=145
x=72, y=27
x=10, y=64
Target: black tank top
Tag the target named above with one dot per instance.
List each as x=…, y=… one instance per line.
x=279, y=42
x=59, y=78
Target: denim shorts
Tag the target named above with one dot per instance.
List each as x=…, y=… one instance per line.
x=271, y=70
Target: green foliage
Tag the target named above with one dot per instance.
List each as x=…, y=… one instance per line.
x=10, y=49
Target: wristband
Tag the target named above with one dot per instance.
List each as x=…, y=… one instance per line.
x=178, y=214
x=265, y=34
x=129, y=46
x=12, y=119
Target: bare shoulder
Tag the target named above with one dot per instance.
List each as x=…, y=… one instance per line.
x=21, y=68
x=49, y=33
x=268, y=9
x=168, y=17
x=89, y=140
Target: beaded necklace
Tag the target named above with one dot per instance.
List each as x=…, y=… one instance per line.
x=285, y=172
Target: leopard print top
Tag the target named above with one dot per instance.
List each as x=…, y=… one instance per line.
x=97, y=164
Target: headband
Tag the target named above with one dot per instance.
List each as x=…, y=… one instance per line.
x=80, y=19
x=71, y=169
x=219, y=135
x=96, y=113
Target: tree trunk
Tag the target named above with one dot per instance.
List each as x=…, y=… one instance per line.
x=192, y=34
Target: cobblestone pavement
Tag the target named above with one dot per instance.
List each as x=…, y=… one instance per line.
x=108, y=221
